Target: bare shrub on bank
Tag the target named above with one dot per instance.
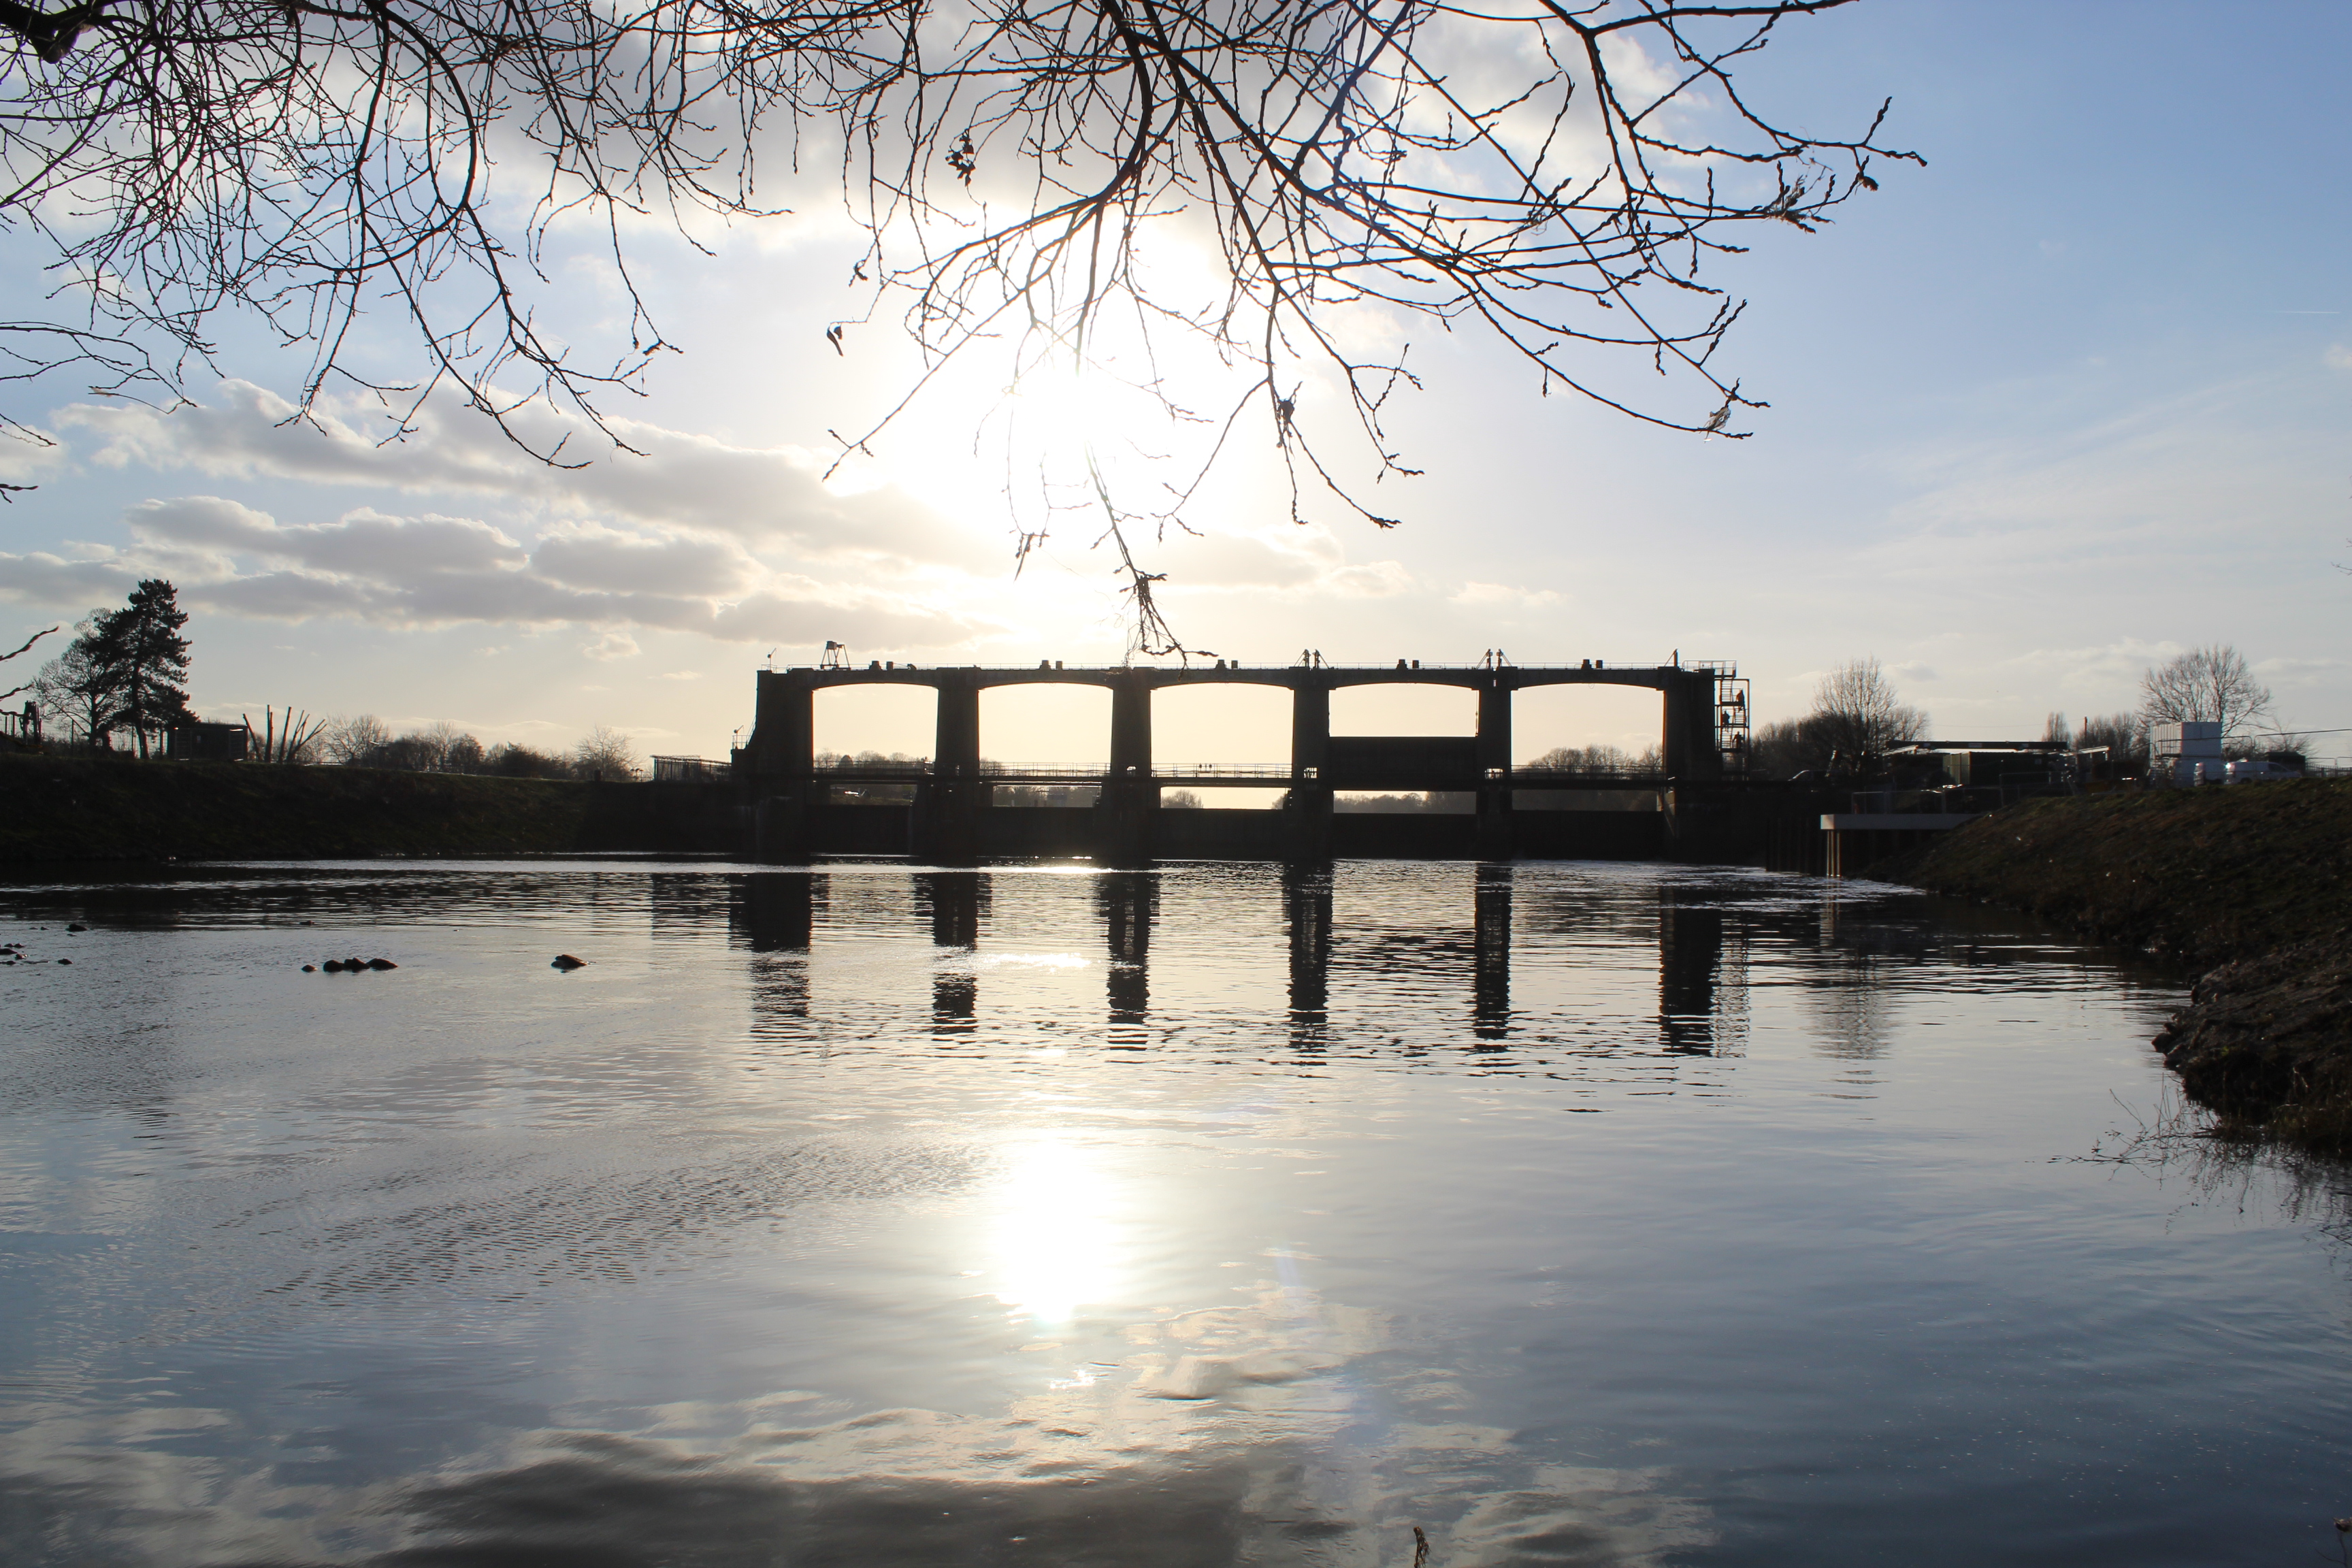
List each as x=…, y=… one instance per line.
x=352, y=742
x=604, y=754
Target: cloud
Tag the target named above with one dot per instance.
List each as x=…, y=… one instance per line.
x=1271, y=559
x=2339, y=357
x=365, y=542
x=1498, y=595
x=1372, y=580
x=431, y=569
x=612, y=645
x=676, y=482
x=41, y=578
x=602, y=558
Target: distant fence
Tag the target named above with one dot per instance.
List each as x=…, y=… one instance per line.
x=690, y=770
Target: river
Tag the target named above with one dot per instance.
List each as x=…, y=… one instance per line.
x=1569, y=1213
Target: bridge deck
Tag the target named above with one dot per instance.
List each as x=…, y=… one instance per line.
x=1245, y=775
x=1227, y=672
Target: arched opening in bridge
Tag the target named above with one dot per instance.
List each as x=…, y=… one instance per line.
x=1587, y=729
x=1595, y=723
x=1040, y=726
x=1203, y=729
x=1044, y=724
x=883, y=721
x=1387, y=708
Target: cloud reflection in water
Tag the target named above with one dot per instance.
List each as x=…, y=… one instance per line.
x=1233, y=1434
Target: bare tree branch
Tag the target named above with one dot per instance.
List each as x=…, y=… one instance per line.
x=1558, y=175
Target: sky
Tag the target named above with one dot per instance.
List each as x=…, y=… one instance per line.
x=2067, y=401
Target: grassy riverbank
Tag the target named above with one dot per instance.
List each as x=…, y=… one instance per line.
x=2251, y=884
x=58, y=809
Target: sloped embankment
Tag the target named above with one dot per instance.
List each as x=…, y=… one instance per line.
x=54, y=808
x=2252, y=883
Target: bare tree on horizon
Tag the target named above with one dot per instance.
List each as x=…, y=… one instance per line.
x=2210, y=685
x=1858, y=716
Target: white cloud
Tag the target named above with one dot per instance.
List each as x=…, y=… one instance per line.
x=1372, y=580
x=2339, y=357
x=601, y=558
x=612, y=645
x=680, y=482
x=1498, y=595
x=431, y=570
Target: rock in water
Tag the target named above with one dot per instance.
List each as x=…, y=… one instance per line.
x=565, y=960
x=381, y=963
x=309, y=969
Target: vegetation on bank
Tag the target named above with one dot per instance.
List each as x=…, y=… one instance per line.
x=2252, y=884
x=2198, y=877
x=98, y=808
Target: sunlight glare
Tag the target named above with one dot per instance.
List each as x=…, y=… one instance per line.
x=1056, y=1242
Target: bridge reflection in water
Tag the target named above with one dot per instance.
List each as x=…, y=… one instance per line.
x=1700, y=1001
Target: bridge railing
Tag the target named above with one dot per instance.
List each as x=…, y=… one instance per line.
x=1271, y=773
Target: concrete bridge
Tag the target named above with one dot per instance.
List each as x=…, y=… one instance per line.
x=1702, y=743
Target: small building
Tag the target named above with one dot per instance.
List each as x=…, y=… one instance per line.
x=207, y=743
x=2013, y=768
x=2189, y=752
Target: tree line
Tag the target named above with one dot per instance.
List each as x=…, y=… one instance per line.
x=1858, y=719
x=124, y=675
x=366, y=742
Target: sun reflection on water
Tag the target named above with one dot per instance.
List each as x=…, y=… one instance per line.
x=1056, y=1242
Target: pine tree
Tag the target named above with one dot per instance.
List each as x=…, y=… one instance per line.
x=145, y=660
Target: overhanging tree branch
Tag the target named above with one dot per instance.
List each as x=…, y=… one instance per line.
x=1559, y=176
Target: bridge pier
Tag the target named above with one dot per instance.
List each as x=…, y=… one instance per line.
x=943, y=828
x=1493, y=835
x=779, y=783
x=1688, y=743
x=1308, y=808
x=1130, y=802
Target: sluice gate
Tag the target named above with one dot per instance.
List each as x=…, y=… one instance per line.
x=793, y=809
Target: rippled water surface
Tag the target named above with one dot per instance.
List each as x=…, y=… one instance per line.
x=1574, y=1214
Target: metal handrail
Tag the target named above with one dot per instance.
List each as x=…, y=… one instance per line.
x=1272, y=772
